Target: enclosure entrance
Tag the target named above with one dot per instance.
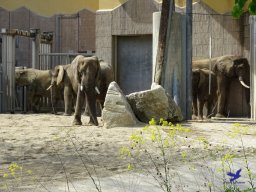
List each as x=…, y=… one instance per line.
x=217, y=35
x=10, y=44
x=134, y=62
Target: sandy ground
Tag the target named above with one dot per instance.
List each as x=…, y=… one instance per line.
x=56, y=156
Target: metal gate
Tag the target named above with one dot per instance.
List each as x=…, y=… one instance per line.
x=134, y=63
x=50, y=60
x=1, y=77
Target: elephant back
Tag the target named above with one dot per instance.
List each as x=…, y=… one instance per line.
x=225, y=65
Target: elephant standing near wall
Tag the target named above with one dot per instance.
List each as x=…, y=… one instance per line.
x=227, y=69
x=37, y=82
x=62, y=77
x=201, y=94
x=106, y=76
x=83, y=79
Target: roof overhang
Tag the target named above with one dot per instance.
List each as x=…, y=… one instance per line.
x=51, y=7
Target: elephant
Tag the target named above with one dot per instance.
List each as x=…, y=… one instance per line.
x=83, y=80
x=62, y=77
x=207, y=63
x=37, y=82
x=226, y=69
x=200, y=92
x=106, y=76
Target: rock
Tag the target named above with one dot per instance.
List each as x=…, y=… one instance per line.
x=154, y=103
x=117, y=112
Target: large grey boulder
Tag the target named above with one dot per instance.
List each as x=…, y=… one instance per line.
x=117, y=111
x=154, y=103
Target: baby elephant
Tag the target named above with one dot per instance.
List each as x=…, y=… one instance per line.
x=201, y=94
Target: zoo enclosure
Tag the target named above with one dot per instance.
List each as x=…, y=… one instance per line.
x=12, y=99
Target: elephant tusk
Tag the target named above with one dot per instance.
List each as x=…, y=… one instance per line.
x=81, y=88
x=243, y=84
x=97, y=90
x=49, y=87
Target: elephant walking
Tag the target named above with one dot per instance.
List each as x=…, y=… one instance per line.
x=82, y=79
x=106, y=76
x=200, y=92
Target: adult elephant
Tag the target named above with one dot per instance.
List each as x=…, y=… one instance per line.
x=62, y=76
x=37, y=82
x=228, y=68
x=208, y=63
x=82, y=79
x=106, y=76
x=200, y=92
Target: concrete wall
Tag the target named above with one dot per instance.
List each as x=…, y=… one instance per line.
x=229, y=37
x=72, y=33
x=131, y=18
x=246, y=35
x=226, y=33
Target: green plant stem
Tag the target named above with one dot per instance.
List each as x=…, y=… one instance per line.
x=86, y=168
x=247, y=165
x=63, y=167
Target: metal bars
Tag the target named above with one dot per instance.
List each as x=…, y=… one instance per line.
x=8, y=73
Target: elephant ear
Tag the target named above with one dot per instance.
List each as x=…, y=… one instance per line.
x=60, y=73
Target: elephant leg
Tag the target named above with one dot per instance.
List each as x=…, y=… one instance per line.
x=68, y=100
x=222, y=92
x=209, y=108
x=195, y=108
x=247, y=97
x=35, y=104
x=99, y=107
x=79, y=104
x=201, y=107
x=91, y=102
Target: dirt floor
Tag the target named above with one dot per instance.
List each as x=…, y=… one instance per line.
x=38, y=150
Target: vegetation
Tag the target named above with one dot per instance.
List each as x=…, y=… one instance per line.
x=156, y=150
x=166, y=144
x=240, y=5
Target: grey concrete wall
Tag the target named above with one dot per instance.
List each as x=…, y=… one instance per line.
x=246, y=35
x=132, y=18
x=104, y=35
x=225, y=31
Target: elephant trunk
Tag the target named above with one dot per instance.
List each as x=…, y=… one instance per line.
x=52, y=101
x=243, y=83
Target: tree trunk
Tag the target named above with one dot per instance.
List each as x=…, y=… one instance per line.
x=162, y=40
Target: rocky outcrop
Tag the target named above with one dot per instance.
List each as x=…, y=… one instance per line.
x=117, y=111
x=154, y=103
